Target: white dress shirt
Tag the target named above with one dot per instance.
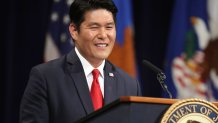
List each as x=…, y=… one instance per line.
x=88, y=68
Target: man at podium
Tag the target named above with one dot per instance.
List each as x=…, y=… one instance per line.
x=71, y=87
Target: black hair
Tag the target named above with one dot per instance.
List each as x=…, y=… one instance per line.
x=79, y=8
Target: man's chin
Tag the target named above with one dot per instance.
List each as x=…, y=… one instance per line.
x=102, y=57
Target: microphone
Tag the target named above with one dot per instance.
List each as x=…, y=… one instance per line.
x=160, y=75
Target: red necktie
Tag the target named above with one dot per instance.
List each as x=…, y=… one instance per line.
x=97, y=98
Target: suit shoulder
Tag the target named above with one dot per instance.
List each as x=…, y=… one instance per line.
x=51, y=65
x=124, y=74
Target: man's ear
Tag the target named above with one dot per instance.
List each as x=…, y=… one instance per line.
x=73, y=31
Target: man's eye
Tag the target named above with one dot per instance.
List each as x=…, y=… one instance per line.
x=109, y=27
x=93, y=27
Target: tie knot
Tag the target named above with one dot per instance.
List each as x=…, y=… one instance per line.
x=95, y=73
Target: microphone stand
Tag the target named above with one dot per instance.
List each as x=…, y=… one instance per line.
x=161, y=77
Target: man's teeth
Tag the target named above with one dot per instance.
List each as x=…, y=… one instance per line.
x=101, y=45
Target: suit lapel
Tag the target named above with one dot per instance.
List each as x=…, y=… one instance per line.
x=78, y=76
x=111, y=83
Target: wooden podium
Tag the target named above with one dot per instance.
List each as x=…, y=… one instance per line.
x=131, y=110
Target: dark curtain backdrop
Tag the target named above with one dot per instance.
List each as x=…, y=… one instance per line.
x=152, y=21
x=24, y=27
x=24, y=24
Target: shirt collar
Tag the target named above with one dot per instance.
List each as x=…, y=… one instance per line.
x=87, y=67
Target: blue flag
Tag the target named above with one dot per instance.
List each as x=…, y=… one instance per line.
x=188, y=61
x=123, y=54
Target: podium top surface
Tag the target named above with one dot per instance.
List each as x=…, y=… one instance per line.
x=147, y=100
x=151, y=100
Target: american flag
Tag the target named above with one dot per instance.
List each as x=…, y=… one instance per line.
x=58, y=41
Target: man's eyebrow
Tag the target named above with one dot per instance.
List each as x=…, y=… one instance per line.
x=110, y=23
x=97, y=24
x=93, y=23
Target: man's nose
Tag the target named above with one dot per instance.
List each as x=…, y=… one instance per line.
x=102, y=34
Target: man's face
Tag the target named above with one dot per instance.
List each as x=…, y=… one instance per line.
x=97, y=35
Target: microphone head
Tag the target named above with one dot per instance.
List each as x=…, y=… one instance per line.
x=152, y=67
x=160, y=76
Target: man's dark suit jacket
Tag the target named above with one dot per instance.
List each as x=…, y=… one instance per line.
x=57, y=91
